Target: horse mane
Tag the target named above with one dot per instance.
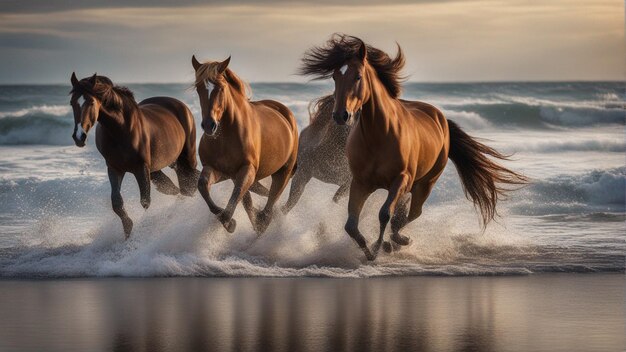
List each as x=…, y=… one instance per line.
x=209, y=71
x=320, y=110
x=112, y=97
x=321, y=61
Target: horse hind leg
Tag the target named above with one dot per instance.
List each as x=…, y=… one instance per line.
x=163, y=183
x=342, y=191
x=298, y=183
x=187, y=176
x=419, y=194
x=398, y=221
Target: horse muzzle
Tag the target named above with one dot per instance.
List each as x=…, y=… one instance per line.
x=210, y=127
x=79, y=140
x=343, y=118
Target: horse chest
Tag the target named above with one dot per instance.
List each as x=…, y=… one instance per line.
x=377, y=164
x=119, y=154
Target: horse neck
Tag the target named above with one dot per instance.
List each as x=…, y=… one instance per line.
x=121, y=123
x=378, y=111
x=235, y=107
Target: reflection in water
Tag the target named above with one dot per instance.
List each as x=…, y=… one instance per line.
x=544, y=312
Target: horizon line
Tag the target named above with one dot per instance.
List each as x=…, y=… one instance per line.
x=315, y=82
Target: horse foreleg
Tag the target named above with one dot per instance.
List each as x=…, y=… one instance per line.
x=243, y=180
x=342, y=191
x=397, y=189
x=298, y=183
x=358, y=196
x=164, y=184
x=208, y=177
x=279, y=182
x=117, y=203
x=143, y=180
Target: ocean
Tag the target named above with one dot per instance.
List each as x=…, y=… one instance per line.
x=568, y=137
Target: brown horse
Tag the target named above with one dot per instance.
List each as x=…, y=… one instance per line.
x=244, y=141
x=398, y=145
x=138, y=138
x=321, y=154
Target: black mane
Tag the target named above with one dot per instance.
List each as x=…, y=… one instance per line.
x=321, y=61
x=112, y=97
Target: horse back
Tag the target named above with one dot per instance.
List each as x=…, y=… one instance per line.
x=171, y=129
x=427, y=116
x=278, y=135
x=280, y=108
x=176, y=107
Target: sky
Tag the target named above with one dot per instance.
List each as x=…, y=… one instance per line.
x=444, y=41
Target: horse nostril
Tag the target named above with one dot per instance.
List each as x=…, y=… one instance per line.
x=346, y=116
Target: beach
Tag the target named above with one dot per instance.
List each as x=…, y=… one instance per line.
x=544, y=312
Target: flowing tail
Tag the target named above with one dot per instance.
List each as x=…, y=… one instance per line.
x=484, y=181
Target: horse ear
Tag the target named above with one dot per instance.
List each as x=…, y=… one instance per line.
x=195, y=63
x=223, y=65
x=74, y=80
x=92, y=79
x=362, y=51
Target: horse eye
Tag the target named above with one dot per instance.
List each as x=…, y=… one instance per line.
x=358, y=78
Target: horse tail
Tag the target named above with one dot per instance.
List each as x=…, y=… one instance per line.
x=484, y=181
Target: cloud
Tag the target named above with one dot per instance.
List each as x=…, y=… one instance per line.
x=454, y=41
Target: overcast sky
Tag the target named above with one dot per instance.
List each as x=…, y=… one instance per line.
x=466, y=40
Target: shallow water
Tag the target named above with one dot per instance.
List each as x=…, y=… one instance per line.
x=549, y=312
x=56, y=221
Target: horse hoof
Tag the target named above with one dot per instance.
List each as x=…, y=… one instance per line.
x=387, y=247
x=231, y=225
x=371, y=257
x=400, y=239
x=145, y=203
x=376, y=247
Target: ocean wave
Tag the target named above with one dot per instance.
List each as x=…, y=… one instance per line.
x=539, y=117
x=555, y=146
x=597, y=190
x=49, y=110
x=37, y=129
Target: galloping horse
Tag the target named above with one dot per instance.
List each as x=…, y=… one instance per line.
x=138, y=138
x=321, y=154
x=244, y=141
x=398, y=145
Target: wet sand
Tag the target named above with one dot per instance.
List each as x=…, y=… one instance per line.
x=548, y=312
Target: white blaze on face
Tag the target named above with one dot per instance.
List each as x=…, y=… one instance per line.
x=79, y=131
x=343, y=69
x=209, y=87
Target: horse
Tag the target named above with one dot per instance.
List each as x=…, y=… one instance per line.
x=399, y=145
x=141, y=139
x=244, y=141
x=320, y=153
